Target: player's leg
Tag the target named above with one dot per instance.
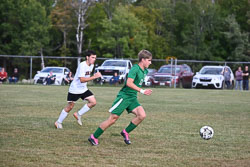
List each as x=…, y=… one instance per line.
x=116, y=110
x=88, y=95
x=71, y=98
x=140, y=115
x=93, y=139
x=64, y=113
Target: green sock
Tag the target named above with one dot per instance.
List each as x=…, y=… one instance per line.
x=130, y=127
x=98, y=132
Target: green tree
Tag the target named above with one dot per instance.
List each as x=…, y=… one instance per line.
x=95, y=28
x=63, y=18
x=24, y=27
x=124, y=35
x=196, y=32
x=239, y=8
x=156, y=15
x=237, y=41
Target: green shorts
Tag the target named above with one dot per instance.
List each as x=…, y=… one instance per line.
x=120, y=104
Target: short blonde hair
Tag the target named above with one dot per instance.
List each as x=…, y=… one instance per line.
x=144, y=54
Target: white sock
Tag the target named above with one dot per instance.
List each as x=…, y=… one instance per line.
x=83, y=110
x=62, y=116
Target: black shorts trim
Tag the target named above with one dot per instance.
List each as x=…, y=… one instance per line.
x=74, y=97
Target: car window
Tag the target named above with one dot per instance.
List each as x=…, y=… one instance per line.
x=55, y=70
x=115, y=63
x=214, y=71
x=168, y=70
x=187, y=69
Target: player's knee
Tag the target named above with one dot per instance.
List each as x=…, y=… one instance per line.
x=114, y=119
x=69, y=107
x=92, y=104
x=142, y=116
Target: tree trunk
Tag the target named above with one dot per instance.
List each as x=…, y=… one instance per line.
x=42, y=59
x=81, y=11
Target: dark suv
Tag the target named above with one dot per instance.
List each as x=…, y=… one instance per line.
x=168, y=75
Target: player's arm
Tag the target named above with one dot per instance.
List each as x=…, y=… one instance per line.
x=130, y=83
x=86, y=79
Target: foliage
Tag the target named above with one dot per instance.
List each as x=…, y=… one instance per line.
x=24, y=27
x=63, y=17
x=187, y=29
x=238, y=42
x=123, y=37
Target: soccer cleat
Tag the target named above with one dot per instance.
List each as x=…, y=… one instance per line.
x=93, y=140
x=78, y=118
x=126, y=136
x=58, y=125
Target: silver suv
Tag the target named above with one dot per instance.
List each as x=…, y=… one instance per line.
x=211, y=76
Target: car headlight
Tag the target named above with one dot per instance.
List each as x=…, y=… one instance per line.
x=217, y=78
x=36, y=77
x=195, y=78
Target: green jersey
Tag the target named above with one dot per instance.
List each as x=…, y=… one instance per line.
x=138, y=75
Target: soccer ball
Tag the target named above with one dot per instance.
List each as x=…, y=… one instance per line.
x=206, y=132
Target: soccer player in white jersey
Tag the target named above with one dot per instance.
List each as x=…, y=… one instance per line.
x=78, y=89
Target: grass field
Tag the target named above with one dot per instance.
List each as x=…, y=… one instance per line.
x=169, y=136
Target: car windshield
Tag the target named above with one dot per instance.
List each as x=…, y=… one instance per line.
x=115, y=63
x=54, y=70
x=210, y=70
x=168, y=70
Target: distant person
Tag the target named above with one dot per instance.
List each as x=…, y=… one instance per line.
x=239, y=78
x=3, y=75
x=114, y=79
x=245, y=75
x=78, y=89
x=14, y=77
x=51, y=78
x=227, y=77
x=69, y=78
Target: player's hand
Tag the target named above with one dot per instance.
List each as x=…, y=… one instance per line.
x=97, y=75
x=148, y=92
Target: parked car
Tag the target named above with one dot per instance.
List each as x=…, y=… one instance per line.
x=111, y=66
x=147, y=79
x=168, y=75
x=59, y=72
x=211, y=77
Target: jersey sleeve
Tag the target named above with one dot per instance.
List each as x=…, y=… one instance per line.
x=132, y=73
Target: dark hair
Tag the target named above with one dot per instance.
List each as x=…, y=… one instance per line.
x=89, y=53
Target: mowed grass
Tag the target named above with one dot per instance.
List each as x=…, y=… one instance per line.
x=169, y=136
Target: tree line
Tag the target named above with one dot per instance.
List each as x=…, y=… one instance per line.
x=216, y=30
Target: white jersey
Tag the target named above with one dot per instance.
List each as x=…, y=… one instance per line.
x=83, y=70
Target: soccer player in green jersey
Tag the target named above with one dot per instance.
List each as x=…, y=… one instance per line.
x=127, y=99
